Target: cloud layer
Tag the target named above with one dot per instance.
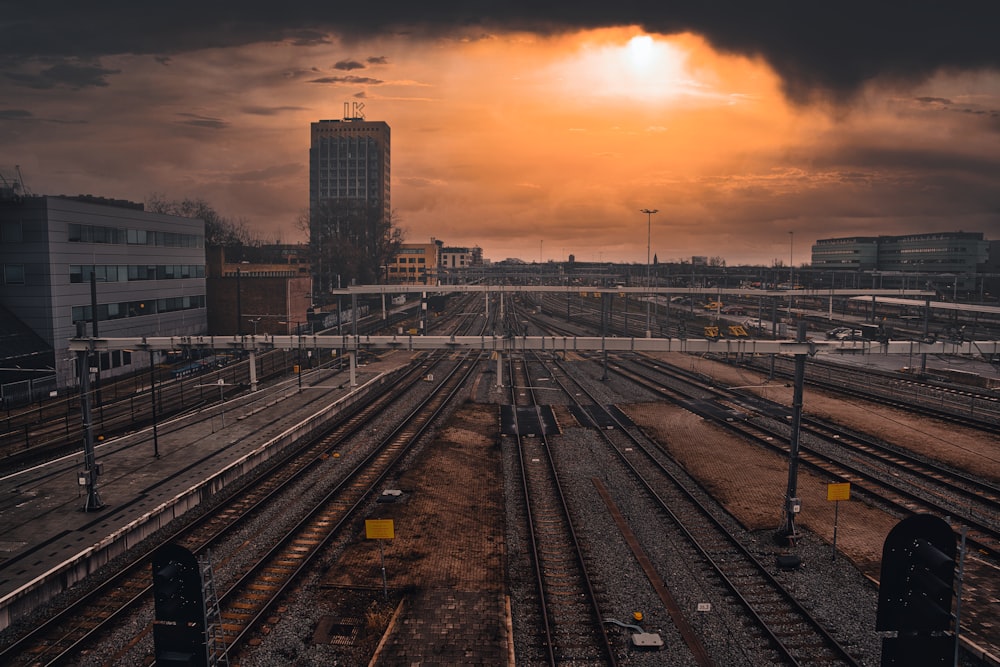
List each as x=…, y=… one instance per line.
x=816, y=48
x=519, y=128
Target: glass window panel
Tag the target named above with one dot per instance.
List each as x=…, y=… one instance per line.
x=13, y=274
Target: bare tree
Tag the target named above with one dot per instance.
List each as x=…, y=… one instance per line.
x=350, y=242
x=717, y=262
x=219, y=230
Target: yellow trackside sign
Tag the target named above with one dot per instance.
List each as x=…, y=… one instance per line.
x=838, y=491
x=379, y=529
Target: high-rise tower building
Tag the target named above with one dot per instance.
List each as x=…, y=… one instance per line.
x=348, y=190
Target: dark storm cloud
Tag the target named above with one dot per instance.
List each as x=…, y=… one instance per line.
x=934, y=100
x=269, y=111
x=826, y=49
x=902, y=159
x=353, y=80
x=378, y=60
x=25, y=116
x=203, y=121
x=15, y=114
x=69, y=74
x=348, y=65
x=307, y=38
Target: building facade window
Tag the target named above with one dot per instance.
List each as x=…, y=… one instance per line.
x=124, y=309
x=80, y=273
x=78, y=233
x=13, y=274
x=11, y=232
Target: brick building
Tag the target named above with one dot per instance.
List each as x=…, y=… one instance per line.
x=269, y=292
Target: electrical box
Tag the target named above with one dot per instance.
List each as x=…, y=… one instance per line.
x=648, y=640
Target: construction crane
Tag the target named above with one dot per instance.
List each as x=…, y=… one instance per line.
x=13, y=189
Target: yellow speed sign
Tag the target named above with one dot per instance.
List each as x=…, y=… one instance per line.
x=840, y=491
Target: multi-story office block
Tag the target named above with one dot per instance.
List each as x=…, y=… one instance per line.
x=455, y=263
x=857, y=253
x=415, y=264
x=348, y=193
x=149, y=270
x=955, y=259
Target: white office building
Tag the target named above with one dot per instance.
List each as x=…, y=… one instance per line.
x=149, y=268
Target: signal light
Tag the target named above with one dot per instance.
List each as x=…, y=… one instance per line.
x=179, y=630
x=916, y=592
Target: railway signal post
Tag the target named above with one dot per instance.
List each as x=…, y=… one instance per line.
x=793, y=505
x=916, y=593
x=91, y=469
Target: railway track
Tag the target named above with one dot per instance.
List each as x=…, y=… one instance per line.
x=68, y=632
x=966, y=501
x=52, y=429
x=963, y=405
x=787, y=632
x=570, y=628
x=248, y=600
x=48, y=429
x=904, y=483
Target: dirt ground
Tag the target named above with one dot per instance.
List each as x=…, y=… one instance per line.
x=751, y=482
x=449, y=520
x=451, y=500
x=448, y=549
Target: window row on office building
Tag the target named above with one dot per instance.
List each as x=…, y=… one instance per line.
x=960, y=252
x=117, y=311
x=80, y=233
x=114, y=273
x=149, y=270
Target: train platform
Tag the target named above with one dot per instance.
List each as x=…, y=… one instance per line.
x=49, y=542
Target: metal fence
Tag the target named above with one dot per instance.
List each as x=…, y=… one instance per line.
x=25, y=392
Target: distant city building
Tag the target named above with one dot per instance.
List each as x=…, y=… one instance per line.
x=699, y=260
x=461, y=258
x=455, y=263
x=991, y=272
x=348, y=186
x=270, y=291
x=415, y=264
x=955, y=258
x=856, y=253
x=149, y=269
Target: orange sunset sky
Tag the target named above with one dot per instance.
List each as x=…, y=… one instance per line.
x=530, y=141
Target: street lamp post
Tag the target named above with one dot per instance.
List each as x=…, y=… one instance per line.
x=649, y=237
x=298, y=352
x=791, y=262
x=222, y=400
x=152, y=396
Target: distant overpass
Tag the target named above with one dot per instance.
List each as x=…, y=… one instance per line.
x=933, y=305
x=356, y=290
x=509, y=344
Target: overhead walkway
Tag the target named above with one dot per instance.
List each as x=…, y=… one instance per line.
x=505, y=344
